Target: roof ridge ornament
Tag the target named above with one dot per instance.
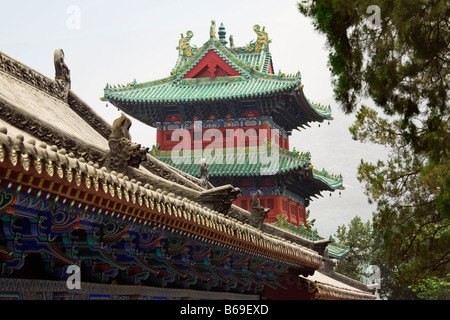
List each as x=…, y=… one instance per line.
x=62, y=74
x=231, y=41
x=262, y=40
x=222, y=35
x=212, y=30
x=123, y=152
x=257, y=211
x=184, y=47
x=204, y=175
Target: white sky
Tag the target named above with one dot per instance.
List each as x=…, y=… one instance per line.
x=118, y=41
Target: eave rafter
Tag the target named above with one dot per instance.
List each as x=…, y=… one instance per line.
x=124, y=211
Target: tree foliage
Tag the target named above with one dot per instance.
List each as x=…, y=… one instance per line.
x=367, y=249
x=434, y=288
x=358, y=236
x=399, y=58
x=406, y=187
x=401, y=62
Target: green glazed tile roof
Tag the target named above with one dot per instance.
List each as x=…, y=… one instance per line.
x=236, y=163
x=335, y=250
x=255, y=81
x=302, y=230
x=240, y=164
x=334, y=181
x=259, y=60
x=196, y=90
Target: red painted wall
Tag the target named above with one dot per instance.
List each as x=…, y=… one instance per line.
x=164, y=138
x=296, y=213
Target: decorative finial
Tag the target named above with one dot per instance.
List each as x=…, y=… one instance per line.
x=222, y=35
x=262, y=41
x=184, y=47
x=122, y=152
x=257, y=212
x=62, y=73
x=231, y=41
x=212, y=29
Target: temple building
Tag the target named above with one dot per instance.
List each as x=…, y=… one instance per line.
x=86, y=213
x=224, y=104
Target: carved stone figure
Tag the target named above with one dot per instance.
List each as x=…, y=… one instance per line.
x=62, y=73
x=257, y=211
x=204, y=175
x=122, y=152
x=220, y=198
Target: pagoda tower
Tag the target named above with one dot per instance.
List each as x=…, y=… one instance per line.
x=225, y=104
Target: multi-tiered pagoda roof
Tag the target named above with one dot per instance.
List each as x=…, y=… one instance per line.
x=292, y=166
x=228, y=80
x=221, y=74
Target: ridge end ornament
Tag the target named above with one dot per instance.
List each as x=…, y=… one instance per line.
x=184, y=47
x=62, y=74
x=123, y=152
x=257, y=211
